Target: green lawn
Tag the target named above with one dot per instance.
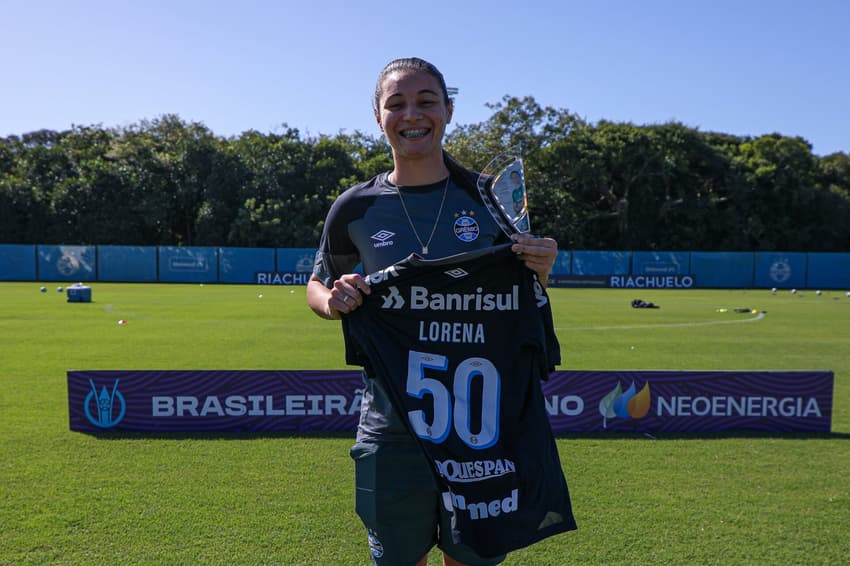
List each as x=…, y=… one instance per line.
x=74, y=498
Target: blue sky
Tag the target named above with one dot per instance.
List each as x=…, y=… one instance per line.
x=745, y=67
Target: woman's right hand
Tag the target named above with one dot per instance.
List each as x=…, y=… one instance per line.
x=347, y=293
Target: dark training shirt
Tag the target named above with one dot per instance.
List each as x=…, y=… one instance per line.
x=367, y=225
x=461, y=344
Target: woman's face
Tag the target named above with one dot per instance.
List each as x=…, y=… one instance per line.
x=413, y=114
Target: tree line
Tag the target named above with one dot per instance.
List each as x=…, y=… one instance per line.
x=594, y=186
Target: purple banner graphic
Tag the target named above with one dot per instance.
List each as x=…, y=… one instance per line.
x=577, y=401
x=232, y=401
x=689, y=401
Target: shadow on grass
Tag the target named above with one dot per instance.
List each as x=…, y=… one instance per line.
x=621, y=435
x=215, y=435
x=720, y=435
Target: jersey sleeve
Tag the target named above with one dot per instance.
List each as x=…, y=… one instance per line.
x=337, y=253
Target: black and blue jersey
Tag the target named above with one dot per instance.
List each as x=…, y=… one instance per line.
x=367, y=225
x=460, y=344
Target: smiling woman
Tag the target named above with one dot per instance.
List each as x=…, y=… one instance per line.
x=412, y=107
x=427, y=204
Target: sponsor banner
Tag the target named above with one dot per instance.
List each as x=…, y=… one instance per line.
x=189, y=264
x=281, y=278
x=652, y=282
x=660, y=263
x=576, y=401
x=624, y=281
x=689, y=401
x=233, y=401
x=597, y=281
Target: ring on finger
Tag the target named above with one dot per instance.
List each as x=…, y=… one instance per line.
x=345, y=299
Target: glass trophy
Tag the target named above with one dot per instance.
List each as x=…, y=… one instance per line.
x=501, y=185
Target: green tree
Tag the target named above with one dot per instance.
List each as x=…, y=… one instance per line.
x=168, y=164
x=774, y=207
x=36, y=165
x=832, y=232
x=522, y=123
x=22, y=215
x=591, y=186
x=288, y=187
x=90, y=204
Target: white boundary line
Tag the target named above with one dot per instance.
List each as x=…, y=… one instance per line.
x=758, y=317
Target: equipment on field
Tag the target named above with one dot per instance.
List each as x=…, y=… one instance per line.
x=79, y=293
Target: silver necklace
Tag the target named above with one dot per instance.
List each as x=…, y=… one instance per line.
x=436, y=220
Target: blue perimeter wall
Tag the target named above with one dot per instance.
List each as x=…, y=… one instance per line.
x=196, y=264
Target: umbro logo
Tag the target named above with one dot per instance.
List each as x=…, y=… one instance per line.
x=457, y=273
x=382, y=238
x=383, y=235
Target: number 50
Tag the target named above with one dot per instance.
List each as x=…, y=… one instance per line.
x=445, y=411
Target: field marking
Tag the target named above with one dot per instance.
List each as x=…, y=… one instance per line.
x=758, y=317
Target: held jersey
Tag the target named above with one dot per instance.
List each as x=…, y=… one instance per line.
x=461, y=344
x=367, y=224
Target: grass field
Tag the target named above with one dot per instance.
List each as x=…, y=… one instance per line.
x=72, y=498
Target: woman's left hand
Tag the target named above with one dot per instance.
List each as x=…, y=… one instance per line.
x=537, y=253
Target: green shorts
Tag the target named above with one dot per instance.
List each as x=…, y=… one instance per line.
x=400, y=505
